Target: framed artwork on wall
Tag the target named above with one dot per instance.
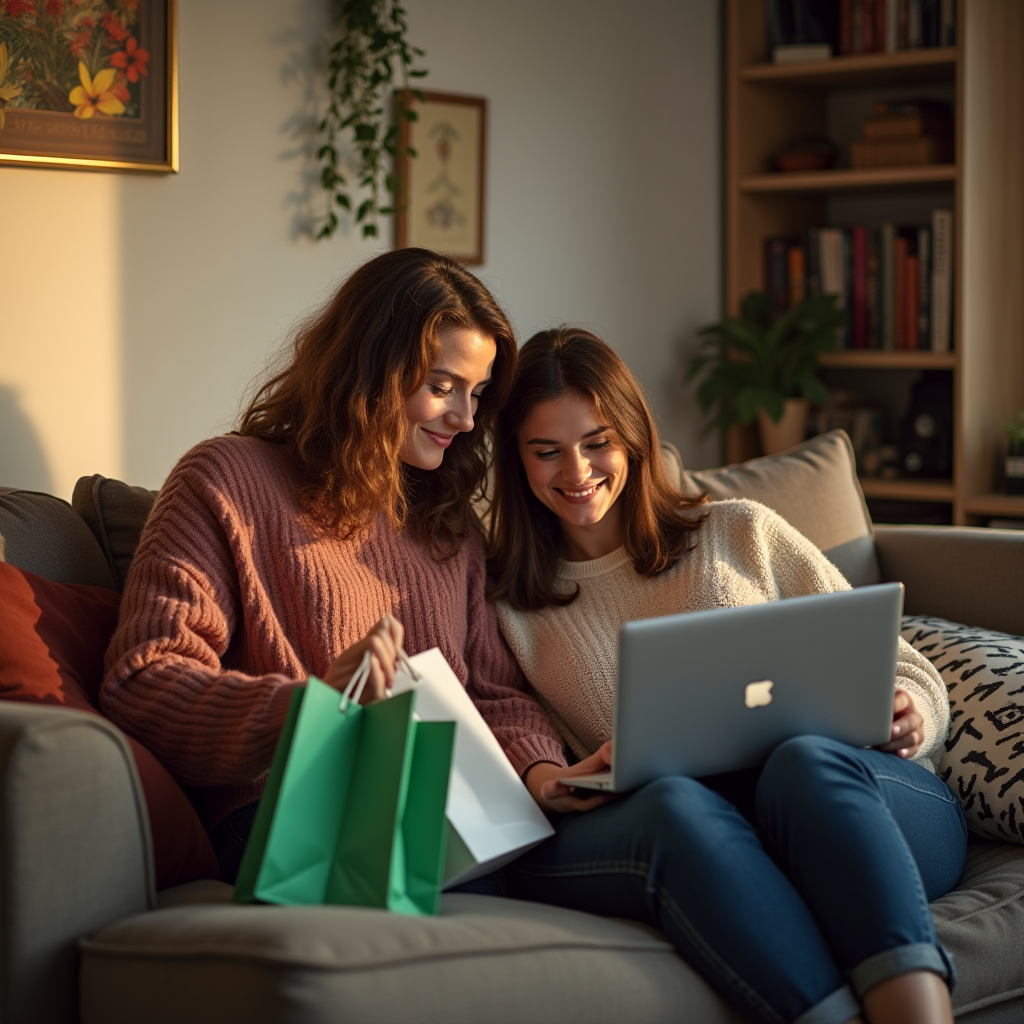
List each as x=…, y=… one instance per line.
x=89, y=84
x=441, y=196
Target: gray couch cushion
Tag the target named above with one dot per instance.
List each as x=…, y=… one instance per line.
x=42, y=534
x=982, y=924
x=482, y=959
x=814, y=486
x=116, y=512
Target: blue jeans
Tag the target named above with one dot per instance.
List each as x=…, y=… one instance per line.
x=791, y=916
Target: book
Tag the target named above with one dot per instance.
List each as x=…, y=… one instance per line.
x=910, y=292
x=812, y=248
x=873, y=292
x=893, y=126
x=880, y=25
x=892, y=26
x=858, y=303
x=900, y=289
x=832, y=276
x=846, y=26
x=947, y=23
x=921, y=151
x=915, y=26
x=909, y=108
x=887, y=275
x=797, y=275
x=776, y=273
x=924, y=288
x=942, y=279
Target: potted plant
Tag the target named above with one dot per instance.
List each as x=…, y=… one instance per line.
x=764, y=367
x=1014, y=430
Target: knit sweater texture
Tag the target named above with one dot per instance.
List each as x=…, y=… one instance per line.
x=235, y=597
x=743, y=554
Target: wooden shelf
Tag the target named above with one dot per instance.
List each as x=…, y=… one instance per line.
x=907, y=490
x=995, y=504
x=873, y=359
x=850, y=180
x=937, y=64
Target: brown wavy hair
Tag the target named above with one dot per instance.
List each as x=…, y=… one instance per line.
x=525, y=537
x=339, y=403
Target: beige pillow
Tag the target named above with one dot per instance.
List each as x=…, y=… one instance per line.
x=814, y=487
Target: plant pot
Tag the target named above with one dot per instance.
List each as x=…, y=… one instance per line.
x=790, y=430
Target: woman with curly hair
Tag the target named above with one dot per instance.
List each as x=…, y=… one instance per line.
x=337, y=520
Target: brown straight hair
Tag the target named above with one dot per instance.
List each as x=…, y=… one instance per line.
x=339, y=404
x=525, y=537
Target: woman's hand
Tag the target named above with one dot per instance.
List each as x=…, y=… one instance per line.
x=383, y=643
x=907, y=727
x=551, y=795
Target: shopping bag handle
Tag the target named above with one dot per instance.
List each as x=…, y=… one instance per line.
x=357, y=683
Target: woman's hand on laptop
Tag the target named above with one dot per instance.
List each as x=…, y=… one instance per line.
x=907, y=727
x=551, y=795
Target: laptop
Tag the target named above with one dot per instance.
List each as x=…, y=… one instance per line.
x=715, y=691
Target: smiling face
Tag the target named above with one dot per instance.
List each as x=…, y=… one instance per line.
x=577, y=467
x=447, y=401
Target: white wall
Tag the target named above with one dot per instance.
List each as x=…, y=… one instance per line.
x=136, y=308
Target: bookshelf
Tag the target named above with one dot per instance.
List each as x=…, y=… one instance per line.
x=768, y=106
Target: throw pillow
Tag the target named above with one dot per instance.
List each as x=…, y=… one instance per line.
x=983, y=762
x=52, y=640
x=814, y=486
x=116, y=512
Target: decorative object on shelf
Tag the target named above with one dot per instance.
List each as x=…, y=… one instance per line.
x=92, y=87
x=441, y=204
x=926, y=432
x=758, y=361
x=905, y=133
x=1014, y=461
x=812, y=153
x=363, y=64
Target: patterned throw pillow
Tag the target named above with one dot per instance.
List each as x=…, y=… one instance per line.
x=983, y=762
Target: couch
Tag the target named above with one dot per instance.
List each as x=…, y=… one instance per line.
x=84, y=935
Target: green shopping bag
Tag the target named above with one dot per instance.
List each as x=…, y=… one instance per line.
x=353, y=811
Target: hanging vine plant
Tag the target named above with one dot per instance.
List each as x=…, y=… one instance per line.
x=364, y=64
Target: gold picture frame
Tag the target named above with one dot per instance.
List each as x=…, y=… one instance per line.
x=126, y=117
x=442, y=189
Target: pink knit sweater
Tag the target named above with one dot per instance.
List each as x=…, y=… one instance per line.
x=235, y=598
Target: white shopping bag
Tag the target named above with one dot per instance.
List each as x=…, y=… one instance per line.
x=491, y=816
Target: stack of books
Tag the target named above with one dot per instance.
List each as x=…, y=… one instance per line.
x=887, y=26
x=905, y=133
x=895, y=281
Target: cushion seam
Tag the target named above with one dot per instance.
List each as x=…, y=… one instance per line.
x=980, y=1004
x=1019, y=894
x=221, y=952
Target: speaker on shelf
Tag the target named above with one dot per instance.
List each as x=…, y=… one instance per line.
x=926, y=432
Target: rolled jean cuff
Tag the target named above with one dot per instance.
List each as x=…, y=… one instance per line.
x=836, y=1008
x=916, y=956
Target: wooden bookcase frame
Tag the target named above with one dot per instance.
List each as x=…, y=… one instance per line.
x=767, y=106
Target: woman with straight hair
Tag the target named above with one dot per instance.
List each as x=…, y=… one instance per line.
x=799, y=890
x=336, y=521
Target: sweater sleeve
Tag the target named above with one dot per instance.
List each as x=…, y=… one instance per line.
x=165, y=683
x=800, y=568
x=499, y=688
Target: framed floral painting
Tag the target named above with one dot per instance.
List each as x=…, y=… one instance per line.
x=441, y=189
x=89, y=83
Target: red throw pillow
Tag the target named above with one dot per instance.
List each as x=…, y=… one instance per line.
x=52, y=640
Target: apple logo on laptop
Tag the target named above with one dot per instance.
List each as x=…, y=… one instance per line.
x=759, y=694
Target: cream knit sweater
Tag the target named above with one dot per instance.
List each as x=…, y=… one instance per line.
x=743, y=554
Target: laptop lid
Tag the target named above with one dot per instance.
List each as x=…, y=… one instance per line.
x=715, y=691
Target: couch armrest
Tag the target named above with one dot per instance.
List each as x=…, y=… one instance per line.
x=965, y=574
x=75, y=852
